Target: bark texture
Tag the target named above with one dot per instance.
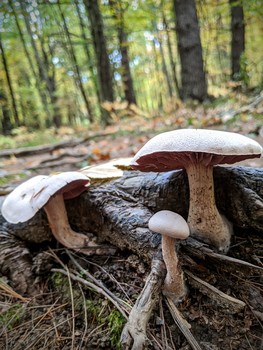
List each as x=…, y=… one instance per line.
x=238, y=38
x=9, y=82
x=118, y=212
x=100, y=48
x=193, y=80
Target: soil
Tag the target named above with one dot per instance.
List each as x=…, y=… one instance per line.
x=67, y=315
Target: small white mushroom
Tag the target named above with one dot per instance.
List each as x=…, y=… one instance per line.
x=48, y=192
x=171, y=226
x=197, y=151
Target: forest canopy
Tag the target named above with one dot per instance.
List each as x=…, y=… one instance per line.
x=67, y=62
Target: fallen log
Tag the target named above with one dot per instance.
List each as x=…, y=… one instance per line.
x=118, y=211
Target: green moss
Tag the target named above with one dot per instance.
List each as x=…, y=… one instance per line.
x=116, y=323
x=10, y=317
x=111, y=318
x=99, y=310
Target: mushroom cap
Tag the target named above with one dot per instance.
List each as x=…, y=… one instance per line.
x=29, y=197
x=170, y=224
x=175, y=149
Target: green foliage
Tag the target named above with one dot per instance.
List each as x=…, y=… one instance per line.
x=143, y=23
x=115, y=323
x=244, y=75
x=112, y=319
x=9, y=178
x=7, y=142
x=10, y=317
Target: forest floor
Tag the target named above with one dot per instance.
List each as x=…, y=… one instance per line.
x=67, y=314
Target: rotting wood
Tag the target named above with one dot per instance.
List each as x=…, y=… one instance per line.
x=118, y=212
x=27, y=151
x=230, y=304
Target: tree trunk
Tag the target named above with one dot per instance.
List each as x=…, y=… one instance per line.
x=193, y=79
x=126, y=71
x=41, y=93
x=165, y=70
x=118, y=14
x=43, y=64
x=238, y=37
x=6, y=118
x=9, y=82
x=50, y=71
x=170, y=52
x=76, y=69
x=103, y=63
x=87, y=51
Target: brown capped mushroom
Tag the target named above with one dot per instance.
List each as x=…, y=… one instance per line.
x=197, y=151
x=171, y=226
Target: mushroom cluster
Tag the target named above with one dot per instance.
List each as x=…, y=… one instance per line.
x=197, y=151
x=49, y=193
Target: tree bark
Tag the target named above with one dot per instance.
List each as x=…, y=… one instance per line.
x=43, y=65
x=6, y=117
x=118, y=14
x=238, y=37
x=41, y=93
x=164, y=68
x=122, y=208
x=170, y=52
x=78, y=80
x=193, y=79
x=100, y=47
x=118, y=212
x=87, y=51
x=9, y=82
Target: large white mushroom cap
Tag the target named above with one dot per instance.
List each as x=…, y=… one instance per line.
x=174, y=149
x=29, y=197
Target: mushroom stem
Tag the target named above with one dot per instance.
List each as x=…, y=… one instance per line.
x=174, y=285
x=58, y=221
x=204, y=219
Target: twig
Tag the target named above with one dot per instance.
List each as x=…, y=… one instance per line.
x=232, y=305
x=97, y=282
x=182, y=324
x=72, y=310
x=201, y=251
x=4, y=286
x=54, y=164
x=95, y=288
x=112, y=278
x=134, y=332
x=85, y=317
x=27, y=151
